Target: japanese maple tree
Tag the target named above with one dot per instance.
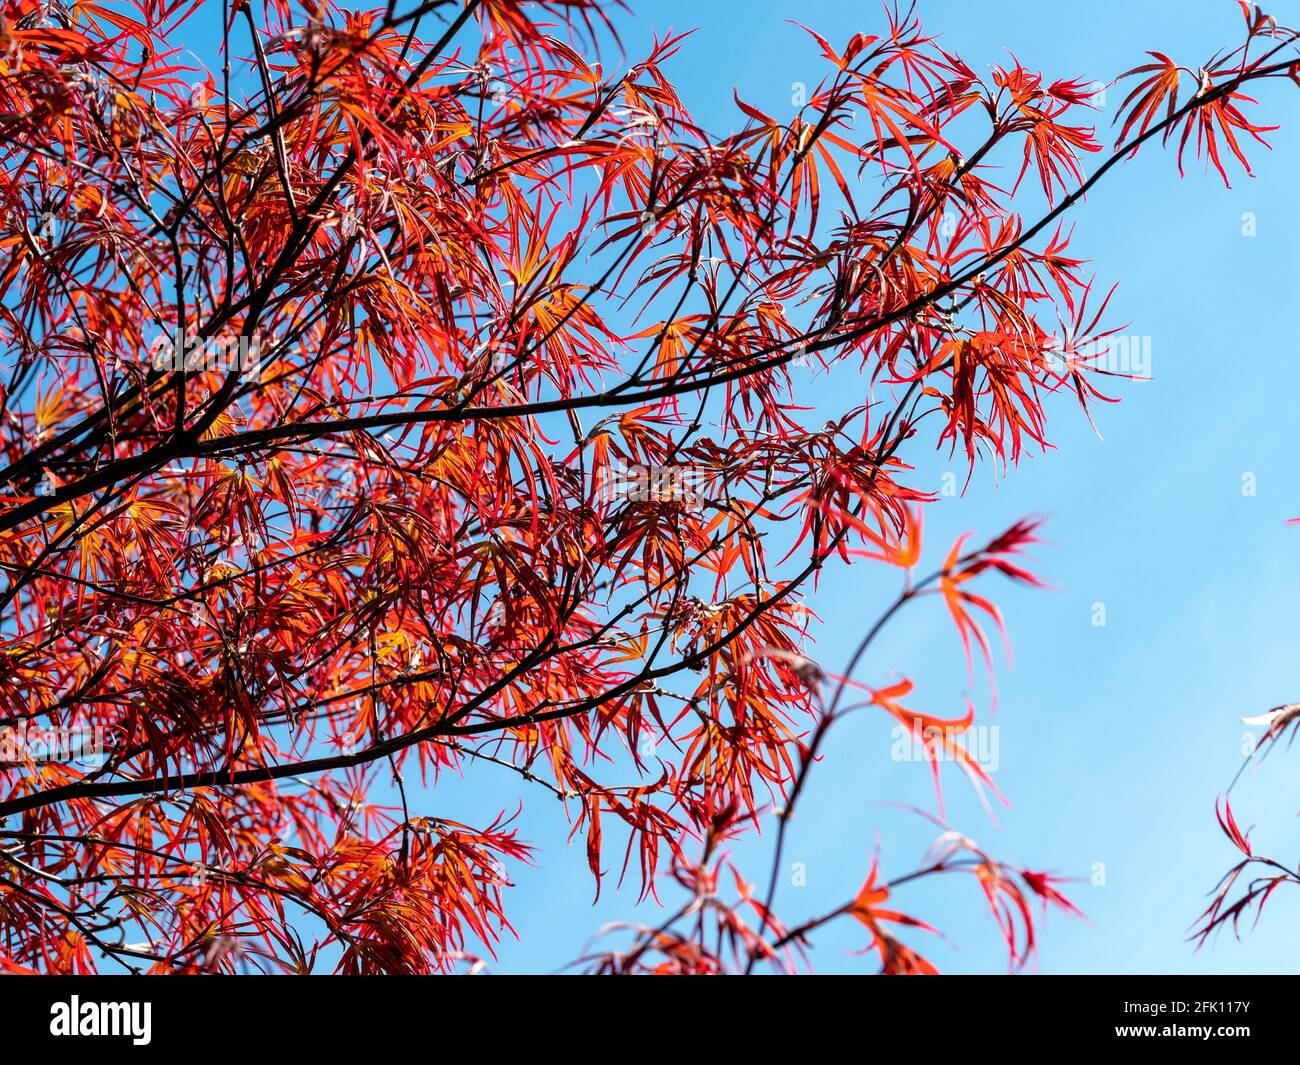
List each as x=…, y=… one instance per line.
x=1250, y=882
x=413, y=391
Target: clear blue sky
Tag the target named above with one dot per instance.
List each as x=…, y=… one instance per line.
x=1113, y=740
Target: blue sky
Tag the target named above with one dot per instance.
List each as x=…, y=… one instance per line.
x=1113, y=740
